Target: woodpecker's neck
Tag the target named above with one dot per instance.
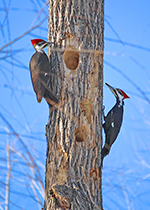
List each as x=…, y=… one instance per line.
x=41, y=51
x=39, y=48
x=120, y=102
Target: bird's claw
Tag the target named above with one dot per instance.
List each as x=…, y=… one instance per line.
x=103, y=107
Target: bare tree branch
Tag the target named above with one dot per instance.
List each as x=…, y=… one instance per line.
x=24, y=34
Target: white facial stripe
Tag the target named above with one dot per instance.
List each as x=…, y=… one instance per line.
x=120, y=95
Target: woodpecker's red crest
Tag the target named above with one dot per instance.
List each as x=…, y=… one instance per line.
x=36, y=41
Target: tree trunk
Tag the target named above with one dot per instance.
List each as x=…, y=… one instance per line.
x=74, y=131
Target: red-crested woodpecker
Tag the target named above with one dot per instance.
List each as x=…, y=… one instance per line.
x=40, y=72
x=113, y=120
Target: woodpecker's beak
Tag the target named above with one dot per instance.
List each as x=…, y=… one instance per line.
x=112, y=89
x=49, y=43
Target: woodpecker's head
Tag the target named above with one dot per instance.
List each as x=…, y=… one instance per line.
x=118, y=93
x=40, y=44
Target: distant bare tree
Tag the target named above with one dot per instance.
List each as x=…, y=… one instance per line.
x=74, y=131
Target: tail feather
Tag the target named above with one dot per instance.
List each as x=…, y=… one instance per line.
x=104, y=153
x=102, y=158
x=50, y=95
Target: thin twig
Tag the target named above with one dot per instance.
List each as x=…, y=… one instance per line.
x=8, y=178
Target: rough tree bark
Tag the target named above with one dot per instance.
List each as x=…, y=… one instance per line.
x=74, y=131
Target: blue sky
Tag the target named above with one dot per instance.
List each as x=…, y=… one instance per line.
x=126, y=172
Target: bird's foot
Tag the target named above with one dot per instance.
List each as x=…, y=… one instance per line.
x=103, y=107
x=102, y=111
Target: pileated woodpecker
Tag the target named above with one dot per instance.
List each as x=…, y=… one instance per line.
x=113, y=120
x=40, y=70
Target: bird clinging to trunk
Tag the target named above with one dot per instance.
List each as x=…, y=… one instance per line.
x=40, y=72
x=113, y=120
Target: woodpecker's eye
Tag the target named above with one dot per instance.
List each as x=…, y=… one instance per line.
x=41, y=43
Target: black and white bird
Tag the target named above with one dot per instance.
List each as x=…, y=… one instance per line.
x=40, y=71
x=113, y=121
